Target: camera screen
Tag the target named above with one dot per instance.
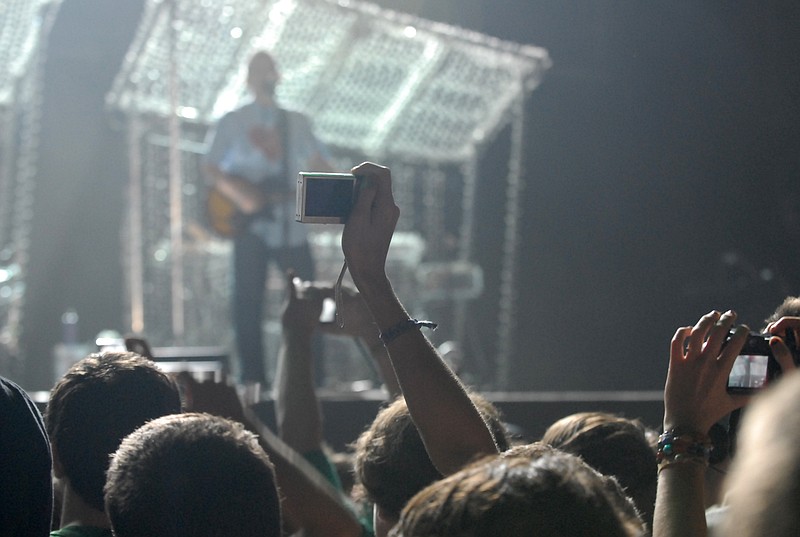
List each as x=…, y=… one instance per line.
x=328, y=314
x=328, y=197
x=749, y=371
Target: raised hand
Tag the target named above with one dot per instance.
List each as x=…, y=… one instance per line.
x=369, y=229
x=303, y=305
x=780, y=329
x=695, y=395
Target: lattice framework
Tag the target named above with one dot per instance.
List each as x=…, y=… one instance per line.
x=421, y=96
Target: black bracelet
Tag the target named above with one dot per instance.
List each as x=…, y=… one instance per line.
x=404, y=326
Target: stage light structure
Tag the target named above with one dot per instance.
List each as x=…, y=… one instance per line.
x=422, y=96
x=24, y=30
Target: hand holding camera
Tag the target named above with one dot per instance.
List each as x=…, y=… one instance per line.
x=764, y=357
x=701, y=358
x=785, y=342
x=359, y=320
x=304, y=306
x=369, y=230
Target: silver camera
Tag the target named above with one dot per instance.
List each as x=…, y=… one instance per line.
x=325, y=198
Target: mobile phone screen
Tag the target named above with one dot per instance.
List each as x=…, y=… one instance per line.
x=749, y=372
x=328, y=314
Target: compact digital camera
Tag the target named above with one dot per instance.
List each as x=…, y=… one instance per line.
x=755, y=366
x=325, y=198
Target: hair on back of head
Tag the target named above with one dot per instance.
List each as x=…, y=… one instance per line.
x=614, y=446
x=192, y=475
x=790, y=307
x=100, y=400
x=391, y=462
x=537, y=491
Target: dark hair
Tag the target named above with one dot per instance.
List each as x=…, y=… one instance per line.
x=26, y=493
x=550, y=495
x=99, y=401
x=192, y=475
x=790, y=307
x=391, y=462
x=615, y=446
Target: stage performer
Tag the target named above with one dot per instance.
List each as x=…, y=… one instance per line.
x=252, y=161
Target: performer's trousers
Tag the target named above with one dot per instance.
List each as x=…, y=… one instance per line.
x=251, y=259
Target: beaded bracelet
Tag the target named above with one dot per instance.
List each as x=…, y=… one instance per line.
x=677, y=448
x=404, y=326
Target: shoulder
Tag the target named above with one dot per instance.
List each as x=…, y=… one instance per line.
x=239, y=114
x=235, y=115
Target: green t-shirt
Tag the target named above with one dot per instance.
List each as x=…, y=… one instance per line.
x=323, y=465
x=81, y=531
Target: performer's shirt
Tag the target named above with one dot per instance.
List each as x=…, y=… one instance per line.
x=232, y=150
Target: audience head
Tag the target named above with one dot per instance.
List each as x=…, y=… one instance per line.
x=764, y=480
x=192, y=475
x=26, y=494
x=391, y=462
x=532, y=491
x=613, y=446
x=99, y=401
x=789, y=308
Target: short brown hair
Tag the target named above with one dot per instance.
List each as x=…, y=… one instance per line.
x=550, y=495
x=391, y=462
x=99, y=401
x=615, y=446
x=192, y=475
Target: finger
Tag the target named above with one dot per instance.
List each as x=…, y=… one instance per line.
x=677, y=343
x=362, y=208
x=379, y=178
x=370, y=168
x=719, y=333
x=699, y=331
x=295, y=288
x=733, y=348
x=784, y=324
x=782, y=354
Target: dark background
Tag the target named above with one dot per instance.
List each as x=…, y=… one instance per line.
x=661, y=171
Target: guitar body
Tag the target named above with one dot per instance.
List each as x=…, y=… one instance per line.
x=224, y=216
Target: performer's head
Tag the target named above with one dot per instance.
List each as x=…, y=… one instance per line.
x=262, y=76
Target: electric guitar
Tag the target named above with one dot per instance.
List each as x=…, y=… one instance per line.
x=227, y=220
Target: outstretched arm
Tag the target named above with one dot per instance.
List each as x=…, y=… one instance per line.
x=358, y=323
x=695, y=397
x=297, y=409
x=449, y=424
